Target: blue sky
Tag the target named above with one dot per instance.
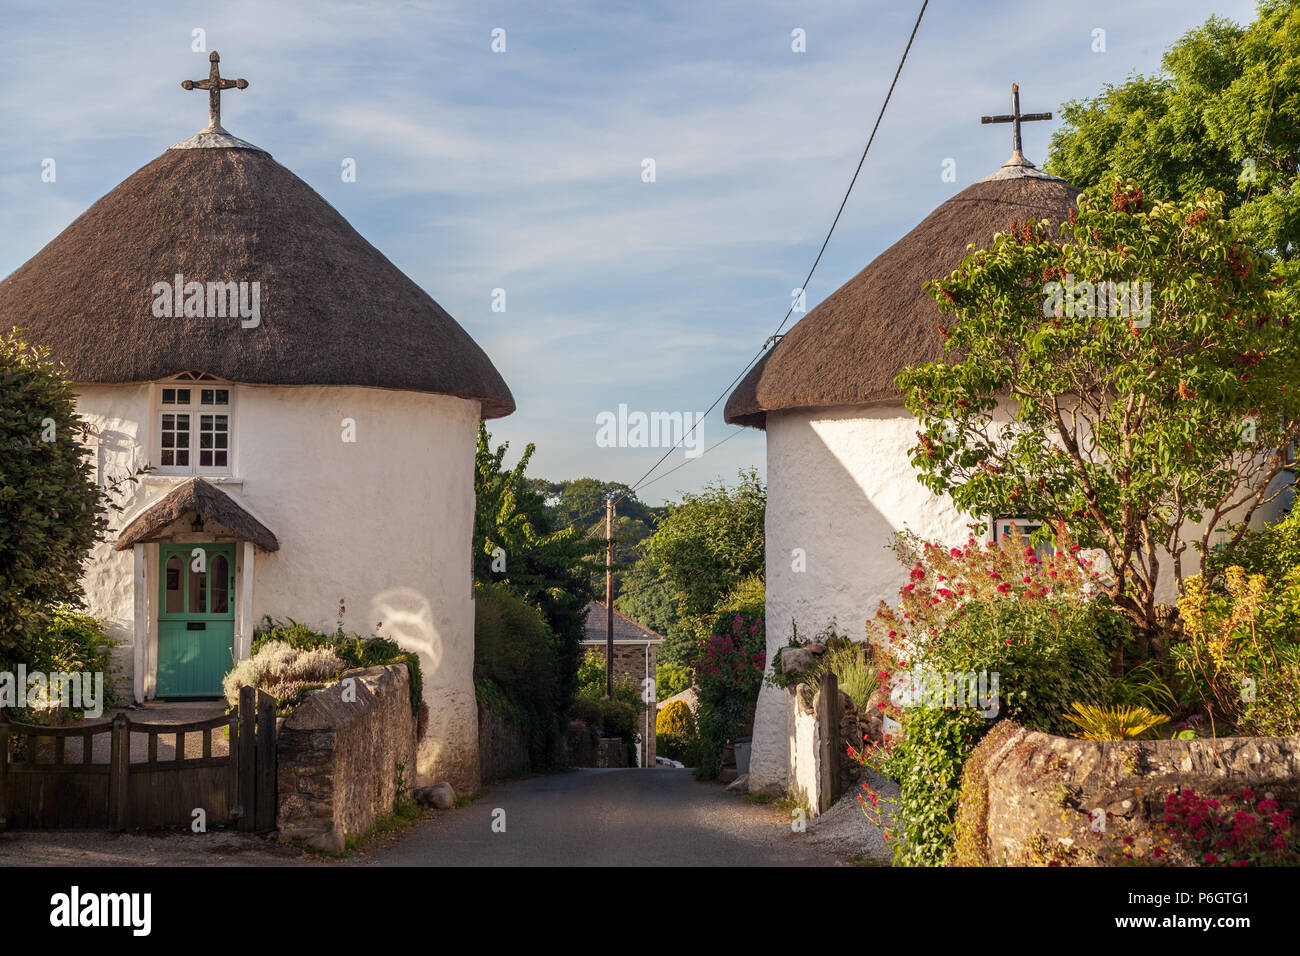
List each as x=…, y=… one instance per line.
x=522, y=170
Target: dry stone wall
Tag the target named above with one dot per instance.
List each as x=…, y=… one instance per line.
x=1034, y=798
x=342, y=760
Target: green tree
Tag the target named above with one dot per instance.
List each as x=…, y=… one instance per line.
x=710, y=542
x=516, y=543
x=51, y=512
x=1128, y=429
x=1223, y=114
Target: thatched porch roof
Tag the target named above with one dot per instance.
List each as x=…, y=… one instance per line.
x=204, y=499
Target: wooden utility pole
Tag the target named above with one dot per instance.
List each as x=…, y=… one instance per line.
x=609, y=597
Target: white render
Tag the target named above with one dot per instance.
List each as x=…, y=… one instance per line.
x=840, y=484
x=384, y=523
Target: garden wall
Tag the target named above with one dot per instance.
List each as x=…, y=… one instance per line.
x=1033, y=798
x=341, y=761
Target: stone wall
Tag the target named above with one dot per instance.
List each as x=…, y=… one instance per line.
x=341, y=759
x=1033, y=798
x=502, y=746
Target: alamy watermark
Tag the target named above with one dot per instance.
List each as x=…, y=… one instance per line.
x=1084, y=299
x=626, y=429
x=919, y=687
x=210, y=300
x=78, y=690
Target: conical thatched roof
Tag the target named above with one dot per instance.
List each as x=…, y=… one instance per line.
x=848, y=350
x=334, y=310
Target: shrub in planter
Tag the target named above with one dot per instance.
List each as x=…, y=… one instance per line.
x=285, y=672
x=351, y=649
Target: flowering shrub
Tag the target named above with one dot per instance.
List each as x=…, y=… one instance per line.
x=728, y=667
x=941, y=580
x=997, y=609
x=1243, y=833
x=1239, y=656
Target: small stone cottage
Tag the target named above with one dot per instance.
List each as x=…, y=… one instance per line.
x=636, y=655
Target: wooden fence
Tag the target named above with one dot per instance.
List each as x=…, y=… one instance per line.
x=43, y=787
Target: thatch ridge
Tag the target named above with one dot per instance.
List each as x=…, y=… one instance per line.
x=334, y=310
x=204, y=499
x=849, y=349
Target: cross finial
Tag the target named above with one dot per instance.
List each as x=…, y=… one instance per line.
x=1015, y=119
x=214, y=84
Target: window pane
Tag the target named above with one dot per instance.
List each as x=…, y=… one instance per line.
x=182, y=396
x=205, y=396
x=223, y=396
x=220, y=569
x=174, y=602
x=214, y=435
x=169, y=396
x=175, y=434
x=198, y=596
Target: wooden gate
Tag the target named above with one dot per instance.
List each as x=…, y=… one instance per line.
x=45, y=784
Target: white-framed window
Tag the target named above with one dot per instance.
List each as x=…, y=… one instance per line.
x=195, y=419
x=1002, y=525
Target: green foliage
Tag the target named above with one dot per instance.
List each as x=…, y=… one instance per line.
x=1273, y=551
x=710, y=542
x=351, y=650
x=673, y=679
x=1046, y=655
x=851, y=663
x=676, y=735
x=645, y=596
x=1238, y=656
x=1129, y=476
x=517, y=658
x=1228, y=97
x=1114, y=723
x=68, y=642
x=551, y=569
x=615, y=716
x=729, y=672
x=51, y=512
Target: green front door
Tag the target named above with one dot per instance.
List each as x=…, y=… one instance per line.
x=196, y=618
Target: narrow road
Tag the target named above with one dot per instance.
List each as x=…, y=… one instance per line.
x=658, y=817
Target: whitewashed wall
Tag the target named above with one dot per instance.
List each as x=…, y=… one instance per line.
x=840, y=483
x=384, y=523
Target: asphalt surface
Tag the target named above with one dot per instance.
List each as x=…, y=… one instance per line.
x=659, y=817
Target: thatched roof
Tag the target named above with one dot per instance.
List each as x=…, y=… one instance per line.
x=334, y=310
x=205, y=499
x=849, y=349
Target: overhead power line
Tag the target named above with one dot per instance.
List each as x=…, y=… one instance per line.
x=642, y=482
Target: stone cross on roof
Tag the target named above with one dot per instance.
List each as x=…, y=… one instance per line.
x=1015, y=118
x=214, y=84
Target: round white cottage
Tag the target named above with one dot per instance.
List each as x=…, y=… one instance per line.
x=840, y=482
x=309, y=415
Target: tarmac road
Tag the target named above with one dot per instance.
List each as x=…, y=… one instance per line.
x=659, y=817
